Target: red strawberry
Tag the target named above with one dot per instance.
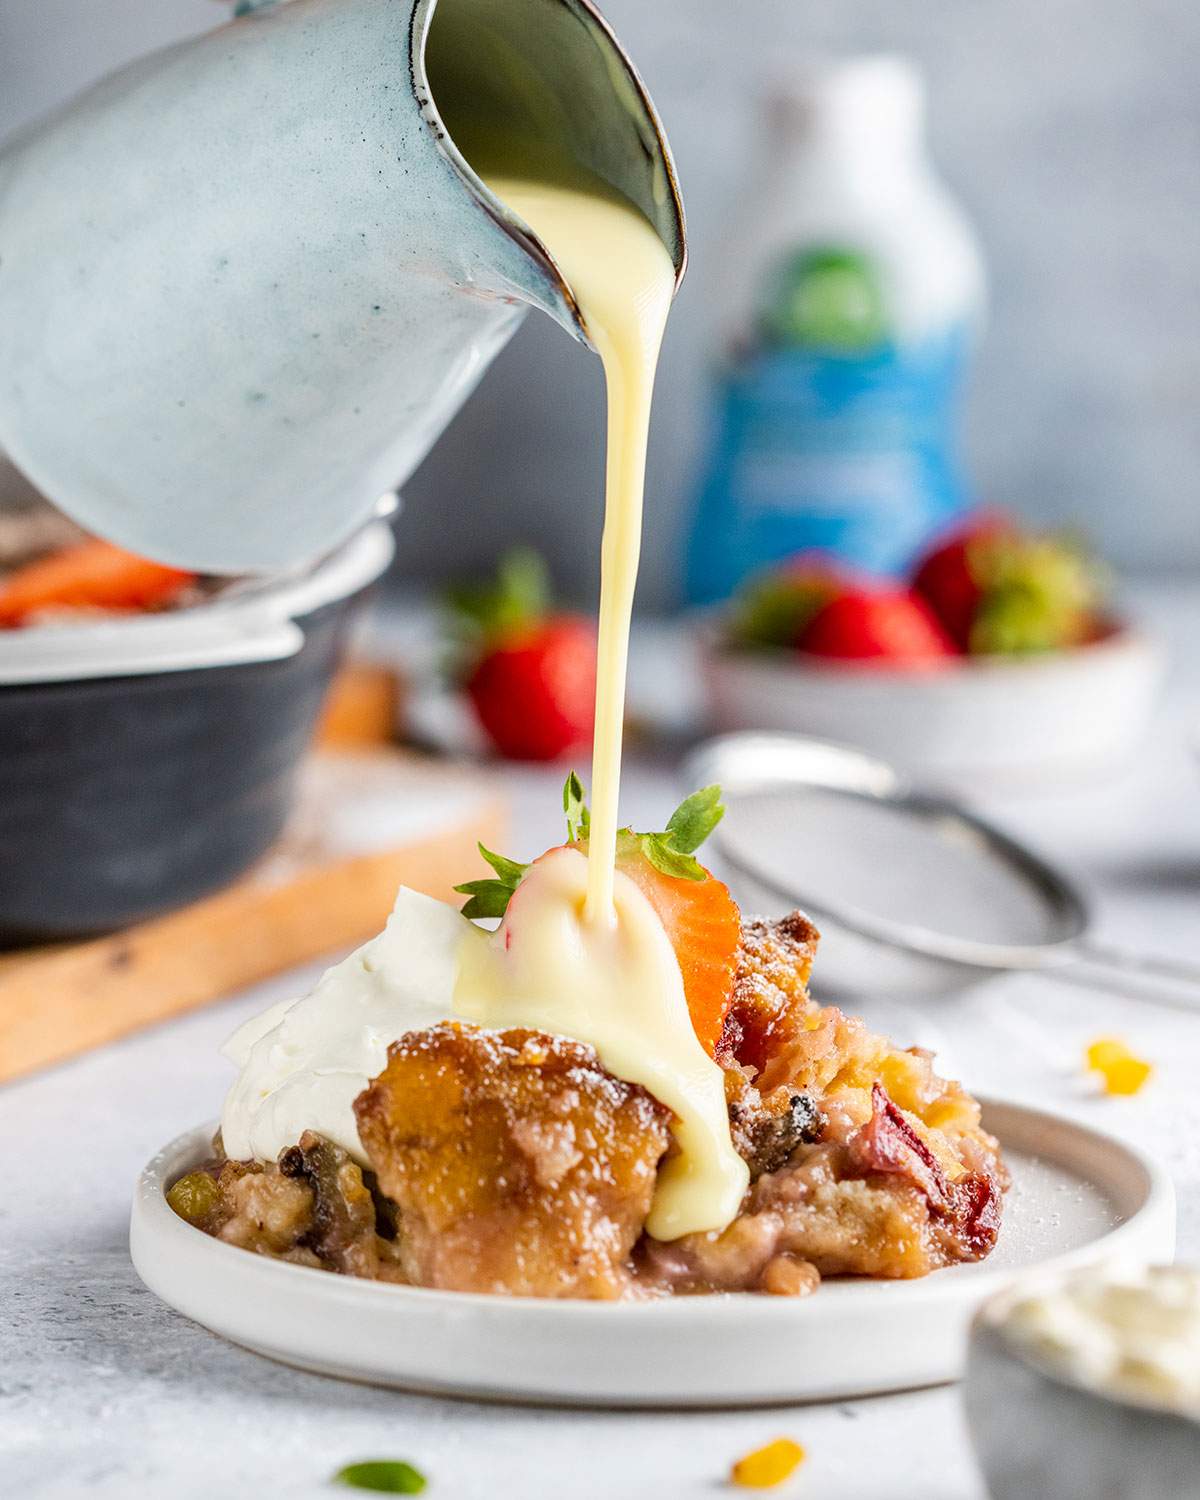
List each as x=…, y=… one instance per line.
x=535, y=692
x=997, y=589
x=946, y=579
x=772, y=608
x=886, y=624
x=530, y=673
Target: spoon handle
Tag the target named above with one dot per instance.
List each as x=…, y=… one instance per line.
x=1169, y=981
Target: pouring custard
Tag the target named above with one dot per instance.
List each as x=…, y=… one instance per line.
x=582, y=952
x=624, y=1088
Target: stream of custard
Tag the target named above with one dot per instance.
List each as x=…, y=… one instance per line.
x=583, y=953
x=623, y=280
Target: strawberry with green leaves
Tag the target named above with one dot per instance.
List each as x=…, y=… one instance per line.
x=811, y=604
x=698, y=914
x=1001, y=591
x=774, y=607
x=529, y=670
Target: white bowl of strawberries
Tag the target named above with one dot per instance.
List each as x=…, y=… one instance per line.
x=997, y=659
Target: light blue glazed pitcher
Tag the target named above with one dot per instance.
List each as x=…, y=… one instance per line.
x=246, y=282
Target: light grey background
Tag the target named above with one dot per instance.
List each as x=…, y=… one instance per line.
x=1070, y=128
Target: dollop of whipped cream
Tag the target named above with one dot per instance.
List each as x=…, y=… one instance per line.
x=302, y=1063
x=1128, y=1331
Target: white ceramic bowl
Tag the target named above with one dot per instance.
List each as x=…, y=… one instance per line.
x=996, y=718
x=1038, y=1434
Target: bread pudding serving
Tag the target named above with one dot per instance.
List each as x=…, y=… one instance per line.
x=452, y=1109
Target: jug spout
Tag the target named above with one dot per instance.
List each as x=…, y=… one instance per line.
x=246, y=282
x=546, y=82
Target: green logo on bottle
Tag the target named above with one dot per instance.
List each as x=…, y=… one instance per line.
x=824, y=299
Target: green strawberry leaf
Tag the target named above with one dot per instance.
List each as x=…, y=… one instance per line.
x=690, y=824
x=490, y=898
x=579, y=819
x=519, y=594
x=695, y=818
x=508, y=870
x=658, y=850
x=385, y=1476
x=670, y=851
x=487, y=898
x=482, y=615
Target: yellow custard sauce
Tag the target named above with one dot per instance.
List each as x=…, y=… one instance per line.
x=616, y=985
x=623, y=281
x=582, y=952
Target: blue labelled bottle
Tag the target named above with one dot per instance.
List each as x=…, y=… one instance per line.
x=860, y=288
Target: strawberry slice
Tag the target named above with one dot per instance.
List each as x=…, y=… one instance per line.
x=885, y=624
x=704, y=927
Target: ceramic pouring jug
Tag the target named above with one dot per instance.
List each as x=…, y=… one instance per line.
x=246, y=282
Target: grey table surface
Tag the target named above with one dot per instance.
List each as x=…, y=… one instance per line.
x=105, y=1392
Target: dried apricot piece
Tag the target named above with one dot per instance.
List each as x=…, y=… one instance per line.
x=1121, y=1071
x=767, y=1466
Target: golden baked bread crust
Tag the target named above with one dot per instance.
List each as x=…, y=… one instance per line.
x=517, y=1163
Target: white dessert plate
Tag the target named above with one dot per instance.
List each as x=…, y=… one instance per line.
x=1078, y=1196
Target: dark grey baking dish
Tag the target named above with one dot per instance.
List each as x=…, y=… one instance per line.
x=146, y=762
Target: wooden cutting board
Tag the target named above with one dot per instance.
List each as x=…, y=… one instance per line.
x=365, y=824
